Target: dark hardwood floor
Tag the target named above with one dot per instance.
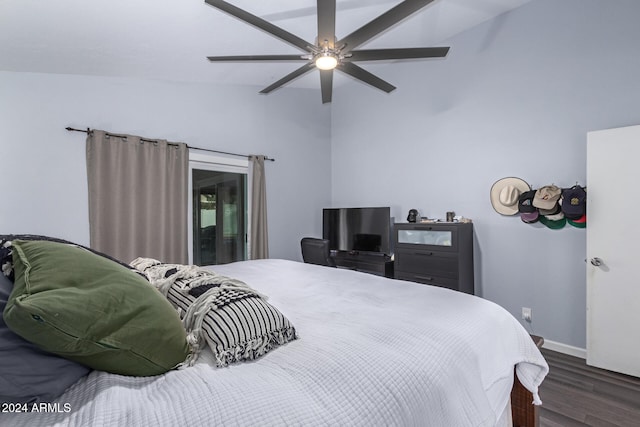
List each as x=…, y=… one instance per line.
x=575, y=394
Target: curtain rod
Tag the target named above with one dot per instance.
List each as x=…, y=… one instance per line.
x=88, y=131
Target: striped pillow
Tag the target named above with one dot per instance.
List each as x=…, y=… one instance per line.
x=233, y=319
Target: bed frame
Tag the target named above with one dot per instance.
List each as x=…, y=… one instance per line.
x=523, y=411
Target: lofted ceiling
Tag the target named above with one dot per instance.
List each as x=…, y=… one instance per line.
x=170, y=39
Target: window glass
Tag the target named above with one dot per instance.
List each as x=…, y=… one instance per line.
x=219, y=212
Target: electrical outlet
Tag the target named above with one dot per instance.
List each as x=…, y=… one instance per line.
x=526, y=314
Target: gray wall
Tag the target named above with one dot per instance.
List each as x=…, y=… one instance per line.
x=44, y=187
x=515, y=97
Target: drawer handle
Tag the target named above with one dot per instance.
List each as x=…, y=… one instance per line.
x=424, y=253
x=424, y=278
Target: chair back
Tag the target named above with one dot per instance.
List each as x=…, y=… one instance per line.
x=316, y=251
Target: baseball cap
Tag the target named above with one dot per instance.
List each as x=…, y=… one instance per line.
x=530, y=217
x=574, y=202
x=556, y=209
x=554, y=222
x=547, y=197
x=578, y=223
x=528, y=212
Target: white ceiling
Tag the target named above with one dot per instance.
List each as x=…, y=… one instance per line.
x=170, y=39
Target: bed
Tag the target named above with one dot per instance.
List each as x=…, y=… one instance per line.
x=368, y=351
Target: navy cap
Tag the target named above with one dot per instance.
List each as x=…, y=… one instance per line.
x=574, y=202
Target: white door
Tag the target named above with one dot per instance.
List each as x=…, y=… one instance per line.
x=613, y=242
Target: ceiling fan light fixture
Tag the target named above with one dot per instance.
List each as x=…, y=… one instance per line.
x=326, y=61
x=328, y=52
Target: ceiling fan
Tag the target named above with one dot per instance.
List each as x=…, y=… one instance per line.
x=329, y=52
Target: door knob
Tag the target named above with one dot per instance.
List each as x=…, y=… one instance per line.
x=596, y=261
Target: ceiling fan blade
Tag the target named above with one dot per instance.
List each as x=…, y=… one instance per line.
x=260, y=23
x=238, y=58
x=362, y=74
x=286, y=79
x=326, y=85
x=381, y=23
x=403, y=53
x=326, y=22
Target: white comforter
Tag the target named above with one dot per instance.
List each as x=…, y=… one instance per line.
x=372, y=351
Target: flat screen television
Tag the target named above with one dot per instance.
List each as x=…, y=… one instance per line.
x=358, y=229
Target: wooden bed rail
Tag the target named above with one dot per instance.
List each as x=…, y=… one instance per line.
x=523, y=411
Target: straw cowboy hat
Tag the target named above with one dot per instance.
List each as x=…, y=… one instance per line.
x=505, y=193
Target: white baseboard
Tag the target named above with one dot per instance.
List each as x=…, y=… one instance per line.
x=565, y=349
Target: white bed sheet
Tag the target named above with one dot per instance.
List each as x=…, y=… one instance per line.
x=371, y=351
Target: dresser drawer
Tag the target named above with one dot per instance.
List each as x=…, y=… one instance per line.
x=427, y=263
x=428, y=280
x=433, y=237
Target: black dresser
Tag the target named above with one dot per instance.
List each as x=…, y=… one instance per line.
x=438, y=254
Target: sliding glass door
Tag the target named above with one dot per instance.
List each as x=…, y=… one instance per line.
x=219, y=216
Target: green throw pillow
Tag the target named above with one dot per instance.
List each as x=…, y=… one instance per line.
x=87, y=308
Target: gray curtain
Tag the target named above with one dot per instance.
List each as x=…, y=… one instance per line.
x=137, y=197
x=259, y=236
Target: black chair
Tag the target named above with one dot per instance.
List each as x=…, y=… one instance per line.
x=316, y=251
